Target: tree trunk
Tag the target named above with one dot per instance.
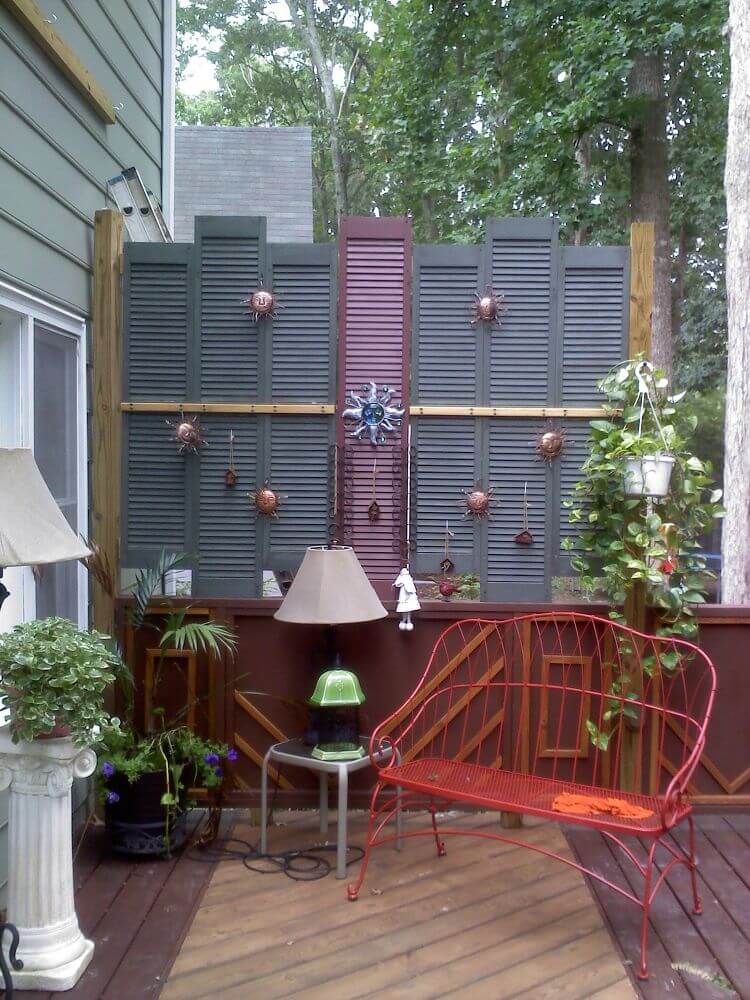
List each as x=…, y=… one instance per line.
x=649, y=189
x=735, y=576
x=678, y=295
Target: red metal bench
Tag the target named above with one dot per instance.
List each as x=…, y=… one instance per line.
x=503, y=718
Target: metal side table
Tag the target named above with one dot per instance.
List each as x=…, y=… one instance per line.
x=298, y=754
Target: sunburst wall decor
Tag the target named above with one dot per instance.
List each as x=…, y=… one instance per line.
x=373, y=412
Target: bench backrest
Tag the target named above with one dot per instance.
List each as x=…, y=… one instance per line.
x=562, y=695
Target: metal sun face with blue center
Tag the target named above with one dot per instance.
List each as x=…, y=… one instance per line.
x=373, y=413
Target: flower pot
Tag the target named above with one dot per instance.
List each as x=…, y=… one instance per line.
x=137, y=821
x=648, y=475
x=58, y=732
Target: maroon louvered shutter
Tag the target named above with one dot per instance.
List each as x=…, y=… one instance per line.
x=374, y=325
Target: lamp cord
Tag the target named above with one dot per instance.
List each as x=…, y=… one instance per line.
x=307, y=864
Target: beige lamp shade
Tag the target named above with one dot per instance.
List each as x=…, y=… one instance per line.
x=33, y=529
x=330, y=588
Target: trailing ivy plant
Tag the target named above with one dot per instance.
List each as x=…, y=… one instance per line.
x=629, y=541
x=626, y=540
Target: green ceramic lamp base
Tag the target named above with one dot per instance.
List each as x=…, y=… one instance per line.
x=338, y=751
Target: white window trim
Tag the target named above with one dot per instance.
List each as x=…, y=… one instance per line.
x=33, y=308
x=169, y=45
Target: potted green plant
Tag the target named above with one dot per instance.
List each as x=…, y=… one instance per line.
x=145, y=777
x=54, y=676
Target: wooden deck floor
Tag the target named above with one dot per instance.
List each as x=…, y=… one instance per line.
x=489, y=920
x=137, y=913
x=711, y=952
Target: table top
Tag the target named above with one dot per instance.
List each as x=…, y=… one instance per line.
x=296, y=751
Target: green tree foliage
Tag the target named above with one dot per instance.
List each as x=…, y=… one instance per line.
x=462, y=109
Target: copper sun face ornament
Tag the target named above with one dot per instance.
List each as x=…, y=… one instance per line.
x=488, y=307
x=477, y=502
x=550, y=443
x=186, y=433
x=261, y=303
x=265, y=500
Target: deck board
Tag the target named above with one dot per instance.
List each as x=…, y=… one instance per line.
x=423, y=926
x=715, y=944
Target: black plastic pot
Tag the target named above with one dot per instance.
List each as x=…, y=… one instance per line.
x=137, y=822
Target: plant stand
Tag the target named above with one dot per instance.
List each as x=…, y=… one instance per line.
x=39, y=775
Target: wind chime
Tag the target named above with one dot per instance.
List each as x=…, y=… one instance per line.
x=524, y=536
x=230, y=476
x=373, y=511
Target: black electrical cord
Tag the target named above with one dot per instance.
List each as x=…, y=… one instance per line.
x=307, y=864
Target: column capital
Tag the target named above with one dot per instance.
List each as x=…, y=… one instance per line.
x=42, y=767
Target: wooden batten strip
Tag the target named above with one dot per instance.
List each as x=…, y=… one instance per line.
x=463, y=702
x=247, y=706
x=176, y=407
x=448, y=669
x=31, y=17
x=256, y=758
x=579, y=412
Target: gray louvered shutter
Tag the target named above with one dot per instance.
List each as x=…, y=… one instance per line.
x=227, y=564
x=446, y=349
x=156, y=321
x=523, y=267
x=231, y=260
x=516, y=572
x=570, y=463
x=154, y=497
x=447, y=461
x=303, y=344
x=595, y=283
x=298, y=469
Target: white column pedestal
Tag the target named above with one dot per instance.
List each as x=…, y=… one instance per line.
x=39, y=775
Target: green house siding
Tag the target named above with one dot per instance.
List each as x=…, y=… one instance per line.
x=56, y=154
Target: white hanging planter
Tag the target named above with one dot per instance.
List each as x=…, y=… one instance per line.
x=648, y=475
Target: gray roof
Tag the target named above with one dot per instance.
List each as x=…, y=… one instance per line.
x=224, y=170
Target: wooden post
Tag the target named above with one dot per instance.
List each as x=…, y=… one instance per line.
x=641, y=307
x=641, y=287
x=106, y=359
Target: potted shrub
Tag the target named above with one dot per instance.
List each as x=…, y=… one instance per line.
x=54, y=677
x=145, y=778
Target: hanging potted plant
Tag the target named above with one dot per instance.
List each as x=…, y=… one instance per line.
x=647, y=439
x=54, y=677
x=145, y=778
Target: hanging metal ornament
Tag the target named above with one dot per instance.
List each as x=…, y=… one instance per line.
x=230, y=476
x=447, y=565
x=266, y=501
x=373, y=511
x=373, y=412
x=550, y=443
x=262, y=303
x=477, y=502
x=488, y=307
x=524, y=537
x=187, y=433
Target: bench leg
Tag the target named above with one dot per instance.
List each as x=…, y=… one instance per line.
x=649, y=875
x=352, y=890
x=438, y=842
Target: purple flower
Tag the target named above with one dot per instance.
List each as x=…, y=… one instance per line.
x=211, y=758
x=108, y=769
x=218, y=772
x=112, y=797
x=233, y=755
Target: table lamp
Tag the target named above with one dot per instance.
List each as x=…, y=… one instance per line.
x=331, y=589
x=33, y=529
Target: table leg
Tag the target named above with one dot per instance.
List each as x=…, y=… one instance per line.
x=323, y=786
x=341, y=824
x=264, y=803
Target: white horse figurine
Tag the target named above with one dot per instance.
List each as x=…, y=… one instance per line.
x=407, y=599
